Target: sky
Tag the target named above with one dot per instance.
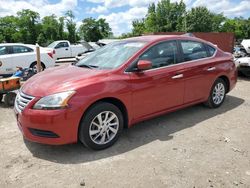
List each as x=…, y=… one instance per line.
x=118, y=13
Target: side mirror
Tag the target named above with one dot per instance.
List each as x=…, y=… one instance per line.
x=144, y=65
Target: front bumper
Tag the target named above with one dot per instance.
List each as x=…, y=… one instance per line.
x=54, y=127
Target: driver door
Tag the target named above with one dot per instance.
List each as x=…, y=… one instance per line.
x=160, y=88
x=62, y=50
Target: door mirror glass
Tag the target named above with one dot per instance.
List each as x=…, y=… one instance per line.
x=144, y=65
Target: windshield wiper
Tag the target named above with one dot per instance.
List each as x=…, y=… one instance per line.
x=87, y=66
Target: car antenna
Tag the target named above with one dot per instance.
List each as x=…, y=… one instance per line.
x=188, y=35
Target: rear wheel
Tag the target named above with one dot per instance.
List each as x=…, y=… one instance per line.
x=9, y=99
x=101, y=126
x=217, y=94
x=34, y=66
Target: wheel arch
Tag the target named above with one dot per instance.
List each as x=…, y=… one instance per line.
x=36, y=62
x=226, y=80
x=115, y=101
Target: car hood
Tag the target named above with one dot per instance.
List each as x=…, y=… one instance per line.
x=62, y=78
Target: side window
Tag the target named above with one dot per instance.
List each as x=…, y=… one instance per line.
x=162, y=54
x=193, y=50
x=3, y=50
x=211, y=50
x=62, y=45
x=21, y=49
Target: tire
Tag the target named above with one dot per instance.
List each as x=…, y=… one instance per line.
x=33, y=66
x=9, y=99
x=1, y=97
x=246, y=73
x=216, y=99
x=91, y=123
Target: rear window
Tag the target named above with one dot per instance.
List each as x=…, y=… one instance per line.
x=21, y=49
x=193, y=50
x=211, y=50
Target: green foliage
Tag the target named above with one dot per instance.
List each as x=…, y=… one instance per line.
x=27, y=27
x=138, y=27
x=27, y=22
x=9, y=29
x=71, y=26
x=239, y=26
x=165, y=16
x=94, y=30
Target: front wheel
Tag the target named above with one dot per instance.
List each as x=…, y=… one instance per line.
x=217, y=94
x=9, y=99
x=101, y=126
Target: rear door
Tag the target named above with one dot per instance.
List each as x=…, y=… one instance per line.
x=6, y=65
x=22, y=56
x=198, y=70
x=63, y=50
x=161, y=87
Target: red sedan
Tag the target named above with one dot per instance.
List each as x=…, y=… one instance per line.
x=119, y=85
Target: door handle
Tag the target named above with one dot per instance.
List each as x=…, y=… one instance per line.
x=211, y=68
x=177, y=76
x=66, y=49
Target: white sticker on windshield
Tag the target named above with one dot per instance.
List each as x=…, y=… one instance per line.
x=134, y=44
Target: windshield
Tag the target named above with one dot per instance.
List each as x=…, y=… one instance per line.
x=52, y=45
x=111, y=56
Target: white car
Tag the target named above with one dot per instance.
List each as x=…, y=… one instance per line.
x=243, y=65
x=14, y=55
x=63, y=49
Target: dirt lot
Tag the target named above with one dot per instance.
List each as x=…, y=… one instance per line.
x=194, y=147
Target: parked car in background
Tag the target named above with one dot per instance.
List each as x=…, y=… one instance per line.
x=246, y=44
x=243, y=65
x=63, y=49
x=90, y=46
x=14, y=55
x=121, y=84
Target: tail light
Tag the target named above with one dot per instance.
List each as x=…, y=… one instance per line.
x=51, y=54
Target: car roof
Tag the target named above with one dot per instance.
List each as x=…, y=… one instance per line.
x=158, y=38
x=14, y=44
x=154, y=38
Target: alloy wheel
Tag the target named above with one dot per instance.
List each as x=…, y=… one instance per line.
x=218, y=93
x=104, y=127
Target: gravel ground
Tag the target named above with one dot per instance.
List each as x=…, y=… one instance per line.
x=194, y=147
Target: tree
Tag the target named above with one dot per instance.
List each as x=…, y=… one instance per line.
x=165, y=17
x=50, y=27
x=61, y=33
x=71, y=26
x=150, y=22
x=199, y=19
x=94, y=30
x=41, y=40
x=104, y=28
x=138, y=27
x=27, y=23
x=217, y=22
x=9, y=29
x=239, y=26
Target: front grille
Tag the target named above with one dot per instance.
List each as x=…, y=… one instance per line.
x=22, y=100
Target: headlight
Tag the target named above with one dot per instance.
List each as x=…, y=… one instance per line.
x=55, y=101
